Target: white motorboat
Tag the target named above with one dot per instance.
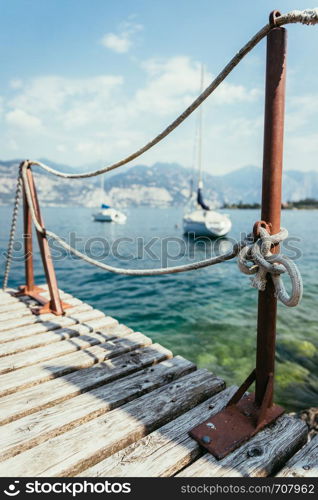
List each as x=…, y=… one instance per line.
x=108, y=213
x=202, y=220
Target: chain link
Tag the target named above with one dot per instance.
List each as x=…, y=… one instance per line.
x=12, y=231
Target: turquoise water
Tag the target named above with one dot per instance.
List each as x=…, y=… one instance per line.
x=207, y=316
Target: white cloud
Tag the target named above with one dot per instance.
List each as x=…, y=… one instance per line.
x=94, y=118
x=16, y=83
x=54, y=94
x=21, y=119
x=13, y=145
x=117, y=43
x=300, y=111
x=123, y=40
x=174, y=83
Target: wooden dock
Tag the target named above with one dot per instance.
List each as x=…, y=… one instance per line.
x=83, y=395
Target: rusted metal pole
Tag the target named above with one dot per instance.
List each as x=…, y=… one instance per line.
x=55, y=302
x=271, y=201
x=28, y=245
x=245, y=415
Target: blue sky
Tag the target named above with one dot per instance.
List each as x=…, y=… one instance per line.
x=91, y=81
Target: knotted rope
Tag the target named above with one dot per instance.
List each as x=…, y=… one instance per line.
x=264, y=262
x=247, y=250
x=119, y=270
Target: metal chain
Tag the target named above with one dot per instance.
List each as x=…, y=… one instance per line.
x=12, y=231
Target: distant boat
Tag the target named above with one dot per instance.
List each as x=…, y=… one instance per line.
x=207, y=223
x=108, y=213
x=202, y=220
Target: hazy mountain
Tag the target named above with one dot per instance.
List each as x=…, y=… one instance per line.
x=162, y=184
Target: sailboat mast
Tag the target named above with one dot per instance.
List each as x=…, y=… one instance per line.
x=102, y=193
x=200, y=131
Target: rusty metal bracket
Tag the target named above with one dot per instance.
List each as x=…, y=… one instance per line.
x=235, y=424
x=241, y=419
x=54, y=305
x=245, y=415
x=272, y=17
x=242, y=389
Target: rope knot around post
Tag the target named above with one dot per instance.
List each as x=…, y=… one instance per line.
x=257, y=259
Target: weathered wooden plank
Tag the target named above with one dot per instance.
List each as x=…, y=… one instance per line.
x=15, y=313
x=40, y=327
x=304, y=463
x=46, y=287
x=101, y=324
x=5, y=297
x=12, y=324
x=22, y=310
x=10, y=293
x=34, y=429
x=167, y=450
x=17, y=302
x=45, y=353
x=43, y=326
x=55, y=391
x=32, y=375
x=26, y=301
x=7, y=300
x=13, y=306
x=46, y=294
x=11, y=300
x=259, y=457
x=89, y=443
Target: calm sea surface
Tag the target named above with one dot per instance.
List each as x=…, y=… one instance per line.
x=207, y=316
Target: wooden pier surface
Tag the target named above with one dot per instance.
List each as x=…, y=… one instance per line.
x=83, y=395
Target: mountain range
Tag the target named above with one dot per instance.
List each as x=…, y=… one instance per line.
x=162, y=184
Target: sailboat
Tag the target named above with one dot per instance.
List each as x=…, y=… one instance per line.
x=203, y=221
x=108, y=213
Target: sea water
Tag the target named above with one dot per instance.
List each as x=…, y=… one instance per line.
x=208, y=316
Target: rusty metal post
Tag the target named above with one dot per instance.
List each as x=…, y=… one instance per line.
x=54, y=305
x=271, y=200
x=55, y=302
x=28, y=245
x=245, y=415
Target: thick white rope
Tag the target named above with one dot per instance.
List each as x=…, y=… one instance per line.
x=119, y=270
x=309, y=16
x=264, y=262
x=247, y=250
